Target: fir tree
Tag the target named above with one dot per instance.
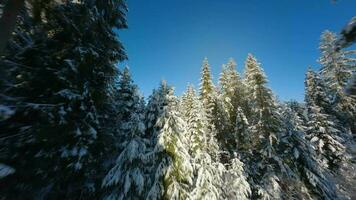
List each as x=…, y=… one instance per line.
x=265, y=124
x=322, y=129
x=172, y=171
x=126, y=179
x=304, y=178
x=242, y=137
x=231, y=94
x=209, y=180
x=56, y=143
x=236, y=185
x=207, y=88
x=213, y=107
x=337, y=69
x=231, y=89
x=201, y=139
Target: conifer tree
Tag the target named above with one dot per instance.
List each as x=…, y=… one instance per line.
x=265, y=124
x=242, y=137
x=172, y=170
x=207, y=88
x=214, y=109
x=57, y=140
x=304, y=178
x=201, y=139
x=236, y=185
x=231, y=89
x=209, y=182
x=322, y=129
x=212, y=179
x=154, y=108
x=232, y=96
x=337, y=69
x=126, y=179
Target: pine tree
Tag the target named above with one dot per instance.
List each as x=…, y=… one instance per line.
x=172, y=170
x=126, y=179
x=201, y=139
x=207, y=88
x=304, y=178
x=236, y=185
x=208, y=183
x=337, y=66
x=232, y=96
x=265, y=124
x=214, y=110
x=322, y=129
x=61, y=82
x=242, y=137
x=154, y=108
x=337, y=69
x=231, y=89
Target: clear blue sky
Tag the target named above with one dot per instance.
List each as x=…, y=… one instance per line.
x=168, y=39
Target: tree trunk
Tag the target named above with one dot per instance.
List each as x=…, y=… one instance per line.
x=8, y=21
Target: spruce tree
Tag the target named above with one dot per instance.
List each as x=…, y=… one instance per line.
x=201, y=139
x=207, y=89
x=231, y=89
x=57, y=140
x=208, y=182
x=322, y=128
x=242, y=137
x=305, y=177
x=212, y=179
x=337, y=69
x=265, y=124
x=172, y=170
x=236, y=185
x=231, y=94
x=214, y=109
x=127, y=178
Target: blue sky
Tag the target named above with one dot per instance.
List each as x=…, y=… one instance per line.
x=168, y=39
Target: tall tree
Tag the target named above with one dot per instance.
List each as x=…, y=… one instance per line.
x=127, y=178
x=322, y=128
x=265, y=125
x=337, y=69
x=304, y=178
x=232, y=94
x=207, y=88
x=55, y=139
x=172, y=171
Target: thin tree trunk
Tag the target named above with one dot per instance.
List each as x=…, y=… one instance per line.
x=8, y=21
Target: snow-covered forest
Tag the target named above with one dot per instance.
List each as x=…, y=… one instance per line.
x=75, y=126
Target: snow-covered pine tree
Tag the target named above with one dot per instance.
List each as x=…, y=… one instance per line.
x=236, y=185
x=127, y=178
x=172, y=170
x=337, y=69
x=322, y=128
x=208, y=178
x=231, y=89
x=241, y=135
x=232, y=96
x=304, y=177
x=201, y=139
x=265, y=123
x=207, y=89
x=214, y=108
x=212, y=179
x=56, y=143
x=156, y=102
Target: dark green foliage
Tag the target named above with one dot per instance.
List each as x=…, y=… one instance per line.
x=58, y=85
